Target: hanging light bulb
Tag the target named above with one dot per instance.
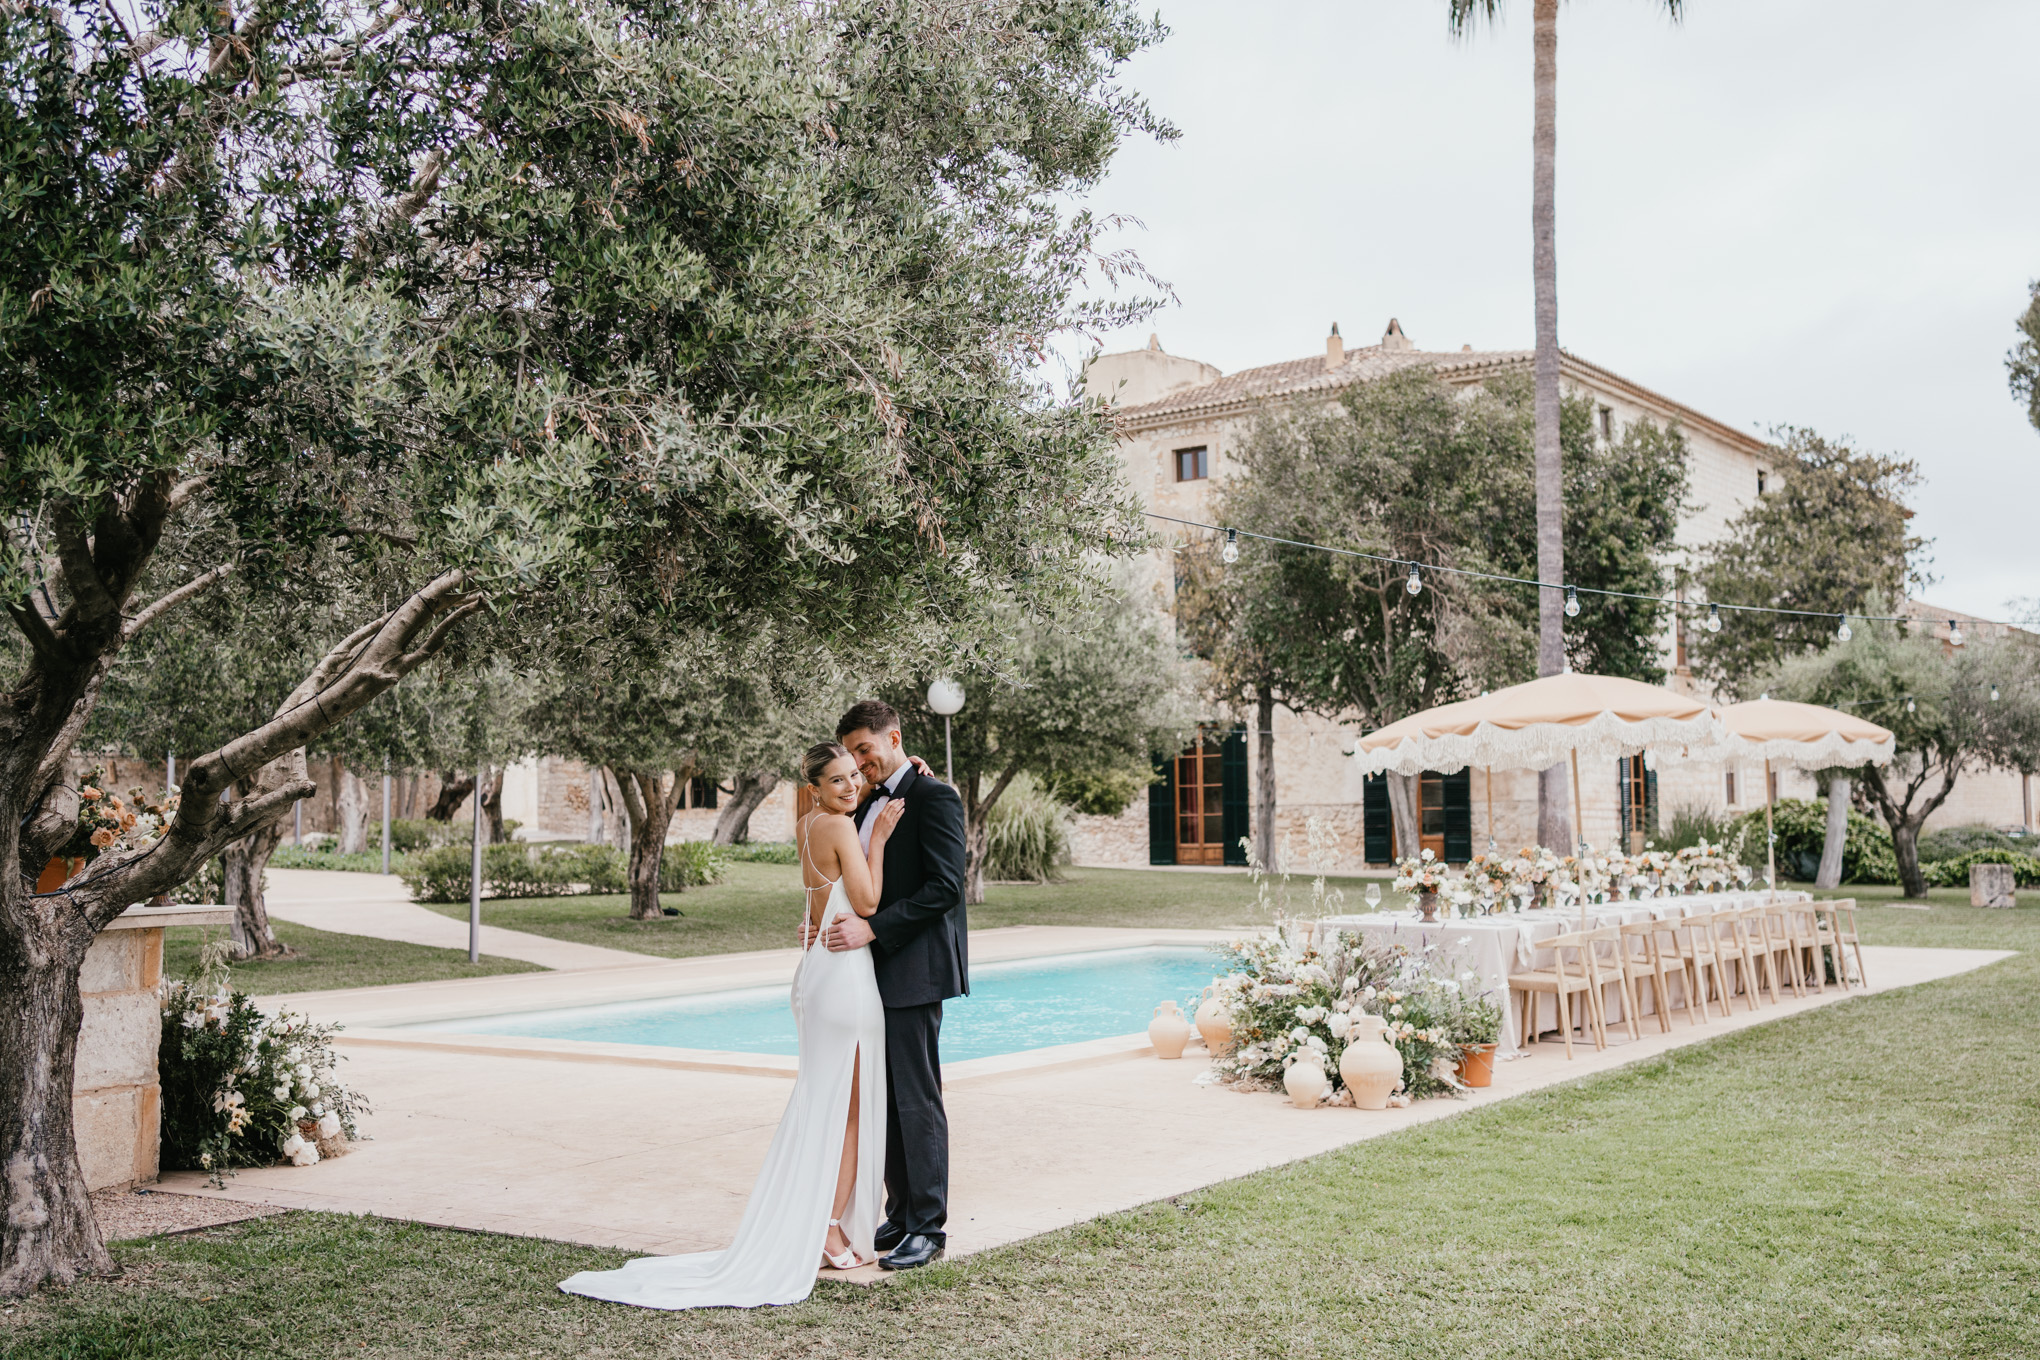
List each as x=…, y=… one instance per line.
x=1572, y=602
x=1842, y=630
x=1230, y=553
x=1910, y=706
x=1993, y=694
x=1954, y=633
x=1415, y=585
x=1713, y=624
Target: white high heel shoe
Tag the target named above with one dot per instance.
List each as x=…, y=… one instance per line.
x=847, y=1261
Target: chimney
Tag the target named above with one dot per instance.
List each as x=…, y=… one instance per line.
x=1335, y=350
x=1393, y=338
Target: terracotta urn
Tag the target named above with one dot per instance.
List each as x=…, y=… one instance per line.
x=1476, y=1066
x=1168, y=1031
x=1306, y=1083
x=1214, y=1023
x=1427, y=903
x=1371, y=1066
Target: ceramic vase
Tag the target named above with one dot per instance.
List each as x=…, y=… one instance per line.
x=1476, y=1064
x=1427, y=903
x=1306, y=1083
x=1214, y=1024
x=1168, y=1031
x=1370, y=1066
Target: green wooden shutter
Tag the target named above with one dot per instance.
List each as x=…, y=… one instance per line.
x=1458, y=817
x=1622, y=795
x=1377, y=826
x=1232, y=766
x=1162, y=813
x=1650, y=804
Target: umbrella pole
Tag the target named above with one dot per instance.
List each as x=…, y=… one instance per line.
x=1579, y=830
x=1490, y=773
x=1770, y=840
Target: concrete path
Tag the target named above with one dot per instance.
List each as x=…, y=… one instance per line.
x=380, y=906
x=593, y=1148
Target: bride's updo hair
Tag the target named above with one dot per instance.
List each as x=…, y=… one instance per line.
x=820, y=757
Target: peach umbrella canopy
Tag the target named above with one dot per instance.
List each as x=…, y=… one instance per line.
x=1538, y=724
x=1804, y=735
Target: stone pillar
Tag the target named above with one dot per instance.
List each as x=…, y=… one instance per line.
x=1991, y=885
x=116, y=1099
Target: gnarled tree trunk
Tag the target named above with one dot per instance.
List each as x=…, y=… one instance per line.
x=454, y=788
x=733, y=823
x=242, y=866
x=48, y=1232
x=1402, y=811
x=977, y=831
x=651, y=796
x=492, y=805
x=350, y=800
x=1837, y=840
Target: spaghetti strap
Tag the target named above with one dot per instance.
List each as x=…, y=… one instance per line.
x=807, y=856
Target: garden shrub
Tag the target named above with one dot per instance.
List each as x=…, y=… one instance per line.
x=1954, y=872
x=1027, y=835
x=515, y=869
x=1690, y=825
x=761, y=852
x=1951, y=842
x=1801, y=824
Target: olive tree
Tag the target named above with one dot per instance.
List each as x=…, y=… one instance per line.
x=522, y=311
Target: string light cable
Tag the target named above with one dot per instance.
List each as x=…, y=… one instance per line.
x=1414, y=584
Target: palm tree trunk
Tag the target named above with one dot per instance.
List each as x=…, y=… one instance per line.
x=1264, y=777
x=1554, y=824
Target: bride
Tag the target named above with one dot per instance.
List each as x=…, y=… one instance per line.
x=817, y=1199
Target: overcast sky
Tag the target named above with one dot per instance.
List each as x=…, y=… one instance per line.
x=1776, y=211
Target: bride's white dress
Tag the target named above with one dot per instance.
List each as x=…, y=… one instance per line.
x=778, y=1246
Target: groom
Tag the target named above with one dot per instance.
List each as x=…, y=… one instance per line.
x=919, y=952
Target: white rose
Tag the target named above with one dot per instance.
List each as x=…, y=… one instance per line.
x=1299, y=1034
x=329, y=1125
x=304, y=1071
x=281, y=1091
x=297, y=1112
x=292, y=1144
x=306, y=1155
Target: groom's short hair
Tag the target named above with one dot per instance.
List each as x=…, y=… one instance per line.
x=869, y=715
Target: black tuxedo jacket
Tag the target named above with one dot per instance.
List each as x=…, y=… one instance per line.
x=921, y=953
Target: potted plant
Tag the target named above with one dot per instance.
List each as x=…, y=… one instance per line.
x=1477, y=1030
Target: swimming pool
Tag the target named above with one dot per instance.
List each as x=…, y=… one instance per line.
x=1029, y=1003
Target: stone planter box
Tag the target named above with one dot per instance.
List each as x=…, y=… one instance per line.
x=1991, y=885
x=116, y=1099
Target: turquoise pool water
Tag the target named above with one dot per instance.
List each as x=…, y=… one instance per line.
x=1012, y=1006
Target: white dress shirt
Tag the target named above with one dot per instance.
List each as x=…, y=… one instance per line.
x=889, y=788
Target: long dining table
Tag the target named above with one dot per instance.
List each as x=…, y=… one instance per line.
x=1481, y=951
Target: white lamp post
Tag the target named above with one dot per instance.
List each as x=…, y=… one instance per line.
x=946, y=697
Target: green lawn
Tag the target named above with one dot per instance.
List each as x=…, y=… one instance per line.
x=325, y=960
x=1863, y=1180
x=758, y=907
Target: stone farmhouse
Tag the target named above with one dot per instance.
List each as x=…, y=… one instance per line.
x=1180, y=420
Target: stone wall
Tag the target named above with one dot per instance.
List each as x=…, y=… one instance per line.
x=116, y=1100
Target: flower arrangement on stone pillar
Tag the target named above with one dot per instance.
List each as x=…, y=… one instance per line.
x=106, y=821
x=241, y=1088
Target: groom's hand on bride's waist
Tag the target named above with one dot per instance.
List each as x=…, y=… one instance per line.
x=851, y=932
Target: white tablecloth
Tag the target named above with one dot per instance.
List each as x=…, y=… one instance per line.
x=1491, y=947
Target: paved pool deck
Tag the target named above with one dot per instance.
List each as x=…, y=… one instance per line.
x=647, y=1150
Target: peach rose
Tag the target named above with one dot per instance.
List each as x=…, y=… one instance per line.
x=88, y=793
x=103, y=837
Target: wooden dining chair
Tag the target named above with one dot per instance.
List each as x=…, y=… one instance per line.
x=1781, y=956
x=1740, y=952
x=1842, y=937
x=1667, y=940
x=1643, y=957
x=1802, y=929
x=1699, y=945
x=1573, y=979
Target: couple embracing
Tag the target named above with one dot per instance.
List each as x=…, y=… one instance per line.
x=882, y=946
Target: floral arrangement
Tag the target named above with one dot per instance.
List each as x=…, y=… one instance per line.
x=244, y=1089
x=1423, y=872
x=108, y=822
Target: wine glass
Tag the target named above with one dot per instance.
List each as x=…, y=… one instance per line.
x=1373, y=897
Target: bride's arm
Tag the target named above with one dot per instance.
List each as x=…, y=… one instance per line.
x=864, y=874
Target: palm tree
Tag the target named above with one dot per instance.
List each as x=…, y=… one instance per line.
x=1554, y=823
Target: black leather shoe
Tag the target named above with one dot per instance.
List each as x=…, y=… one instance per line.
x=886, y=1238
x=916, y=1250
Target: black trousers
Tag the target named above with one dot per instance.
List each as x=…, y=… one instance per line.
x=916, y=1125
